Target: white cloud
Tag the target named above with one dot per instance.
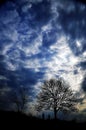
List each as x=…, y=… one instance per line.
x=32, y=63
x=37, y=86
x=6, y=48
x=26, y=7
x=11, y=67
x=47, y=27
x=62, y=63
x=63, y=60
x=10, y=33
x=63, y=4
x=33, y=47
x=74, y=80
x=78, y=43
x=84, y=54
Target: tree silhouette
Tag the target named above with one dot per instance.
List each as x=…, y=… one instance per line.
x=20, y=98
x=57, y=96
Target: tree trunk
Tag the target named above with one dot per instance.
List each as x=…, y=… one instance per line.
x=55, y=113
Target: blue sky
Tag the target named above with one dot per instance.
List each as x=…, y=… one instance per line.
x=39, y=40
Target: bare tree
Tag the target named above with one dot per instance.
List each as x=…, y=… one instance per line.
x=20, y=98
x=57, y=96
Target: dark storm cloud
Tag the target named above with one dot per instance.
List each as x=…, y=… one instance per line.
x=36, y=15
x=81, y=1
x=84, y=84
x=49, y=38
x=14, y=80
x=82, y=65
x=42, y=12
x=25, y=77
x=74, y=24
x=75, y=71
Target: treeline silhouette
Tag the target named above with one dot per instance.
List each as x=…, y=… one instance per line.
x=15, y=120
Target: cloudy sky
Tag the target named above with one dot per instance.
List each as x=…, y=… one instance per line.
x=39, y=40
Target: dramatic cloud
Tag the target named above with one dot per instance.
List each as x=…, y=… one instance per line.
x=42, y=39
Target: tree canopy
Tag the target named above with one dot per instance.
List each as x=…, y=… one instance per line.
x=56, y=95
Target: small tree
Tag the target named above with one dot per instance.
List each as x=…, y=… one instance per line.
x=20, y=98
x=56, y=95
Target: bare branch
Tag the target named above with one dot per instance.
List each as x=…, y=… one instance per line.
x=56, y=95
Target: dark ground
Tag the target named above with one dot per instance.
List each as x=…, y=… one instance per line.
x=13, y=120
